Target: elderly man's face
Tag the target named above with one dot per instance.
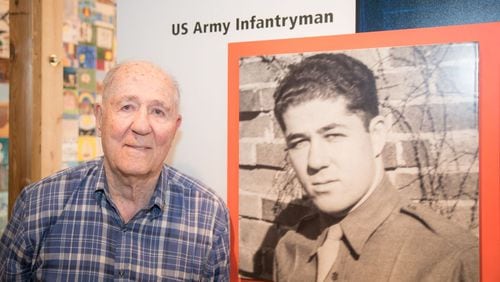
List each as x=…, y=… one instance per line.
x=138, y=121
x=332, y=153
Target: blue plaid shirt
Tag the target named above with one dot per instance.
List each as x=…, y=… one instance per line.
x=66, y=228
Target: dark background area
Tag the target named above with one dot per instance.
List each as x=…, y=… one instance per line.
x=375, y=15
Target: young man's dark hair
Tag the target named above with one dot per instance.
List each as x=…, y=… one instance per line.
x=327, y=76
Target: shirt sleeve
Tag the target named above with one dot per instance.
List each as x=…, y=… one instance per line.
x=461, y=265
x=15, y=248
x=218, y=260
x=467, y=266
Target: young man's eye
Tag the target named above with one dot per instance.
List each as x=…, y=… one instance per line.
x=296, y=144
x=334, y=136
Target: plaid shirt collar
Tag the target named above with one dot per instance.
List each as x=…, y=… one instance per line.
x=158, y=203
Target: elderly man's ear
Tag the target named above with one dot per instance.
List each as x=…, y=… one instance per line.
x=98, y=118
x=378, y=134
x=179, y=120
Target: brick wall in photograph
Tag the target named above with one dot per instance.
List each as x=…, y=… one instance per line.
x=428, y=95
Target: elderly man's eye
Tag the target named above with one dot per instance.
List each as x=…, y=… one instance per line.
x=159, y=112
x=126, y=107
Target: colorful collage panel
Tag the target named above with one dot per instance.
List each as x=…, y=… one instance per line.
x=89, y=40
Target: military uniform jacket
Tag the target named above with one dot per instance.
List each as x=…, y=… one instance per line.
x=384, y=239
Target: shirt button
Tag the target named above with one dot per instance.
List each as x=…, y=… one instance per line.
x=335, y=276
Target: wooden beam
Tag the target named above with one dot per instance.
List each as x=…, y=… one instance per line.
x=50, y=80
x=35, y=92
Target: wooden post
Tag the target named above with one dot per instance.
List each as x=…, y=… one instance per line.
x=35, y=92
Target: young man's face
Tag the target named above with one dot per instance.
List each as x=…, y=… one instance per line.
x=332, y=153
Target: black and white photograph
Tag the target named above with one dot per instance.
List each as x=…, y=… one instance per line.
x=370, y=153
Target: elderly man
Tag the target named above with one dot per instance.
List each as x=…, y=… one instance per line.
x=126, y=216
x=327, y=107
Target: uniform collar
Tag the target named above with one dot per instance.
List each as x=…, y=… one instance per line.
x=360, y=224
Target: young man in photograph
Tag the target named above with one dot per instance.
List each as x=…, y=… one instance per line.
x=327, y=108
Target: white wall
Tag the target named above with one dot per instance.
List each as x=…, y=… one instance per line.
x=199, y=62
x=4, y=92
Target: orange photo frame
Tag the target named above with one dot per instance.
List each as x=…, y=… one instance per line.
x=489, y=115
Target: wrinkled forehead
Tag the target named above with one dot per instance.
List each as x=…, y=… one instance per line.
x=140, y=71
x=125, y=76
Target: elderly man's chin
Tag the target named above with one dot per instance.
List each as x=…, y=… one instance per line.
x=138, y=164
x=135, y=168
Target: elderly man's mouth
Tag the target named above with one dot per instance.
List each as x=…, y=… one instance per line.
x=138, y=147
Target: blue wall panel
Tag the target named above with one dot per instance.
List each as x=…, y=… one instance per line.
x=375, y=15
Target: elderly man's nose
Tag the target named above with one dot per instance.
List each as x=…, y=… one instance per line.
x=141, y=124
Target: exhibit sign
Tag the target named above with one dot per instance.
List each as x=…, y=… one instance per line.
x=189, y=39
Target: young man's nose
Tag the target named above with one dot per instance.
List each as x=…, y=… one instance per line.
x=317, y=158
